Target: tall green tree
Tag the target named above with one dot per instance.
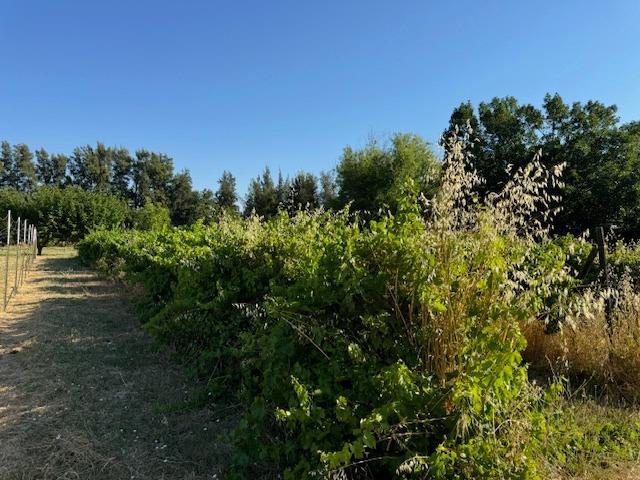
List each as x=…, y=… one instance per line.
x=152, y=176
x=327, y=190
x=42, y=166
x=25, y=170
x=283, y=188
x=100, y=167
x=303, y=193
x=503, y=134
x=373, y=177
x=262, y=197
x=226, y=195
x=183, y=200
x=207, y=208
x=50, y=169
x=58, y=168
x=121, y=178
x=90, y=168
x=78, y=170
x=6, y=158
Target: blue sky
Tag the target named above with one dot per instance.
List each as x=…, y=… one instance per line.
x=238, y=85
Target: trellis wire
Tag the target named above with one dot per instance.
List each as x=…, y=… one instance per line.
x=19, y=246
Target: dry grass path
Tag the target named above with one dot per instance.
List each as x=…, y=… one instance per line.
x=84, y=394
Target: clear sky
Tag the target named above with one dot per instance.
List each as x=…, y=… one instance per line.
x=239, y=84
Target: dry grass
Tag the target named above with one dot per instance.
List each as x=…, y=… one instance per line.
x=602, y=360
x=85, y=394
x=602, y=367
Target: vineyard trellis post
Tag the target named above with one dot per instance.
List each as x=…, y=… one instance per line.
x=20, y=247
x=15, y=282
x=26, y=249
x=6, y=269
x=25, y=253
x=23, y=259
x=29, y=235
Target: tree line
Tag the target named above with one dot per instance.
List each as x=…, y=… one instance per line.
x=366, y=177
x=602, y=176
x=140, y=179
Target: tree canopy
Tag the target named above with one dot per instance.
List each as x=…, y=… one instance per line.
x=602, y=156
x=373, y=177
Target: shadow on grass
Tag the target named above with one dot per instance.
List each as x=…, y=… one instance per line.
x=86, y=394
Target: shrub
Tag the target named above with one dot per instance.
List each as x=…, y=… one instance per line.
x=64, y=215
x=378, y=351
x=151, y=216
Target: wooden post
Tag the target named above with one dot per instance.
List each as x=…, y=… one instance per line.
x=588, y=264
x=602, y=259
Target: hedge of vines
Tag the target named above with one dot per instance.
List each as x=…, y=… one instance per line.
x=64, y=215
x=391, y=350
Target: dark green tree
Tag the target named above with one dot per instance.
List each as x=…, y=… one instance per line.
x=100, y=167
x=303, y=193
x=25, y=170
x=283, y=189
x=373, y=177
x=183, y=200
x=122, y=172
x=226, y=195
x=50, y=169
x=152, y=175
x=505, y=133
x=78, y=171
x=262, y=197
x=44, y=172
x=6, y=158
x=58, y=168
x=207, y=208
x=90, y=168
x=602, y=173
x=327, y=192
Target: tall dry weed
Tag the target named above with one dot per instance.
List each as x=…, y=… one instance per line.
x=598, y=353
x=478, y=241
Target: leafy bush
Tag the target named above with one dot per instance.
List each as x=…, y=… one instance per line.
x=378, y=351
x=64, y=215
x=151, y=216
x=625, y=259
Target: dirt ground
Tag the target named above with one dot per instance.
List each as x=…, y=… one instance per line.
x=85, y=394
